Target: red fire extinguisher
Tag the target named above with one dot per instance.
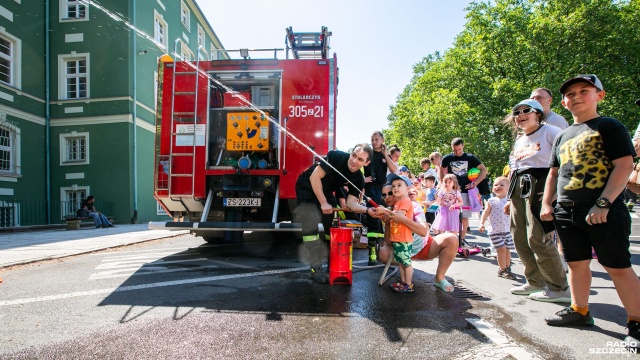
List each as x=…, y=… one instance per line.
x=340, y=254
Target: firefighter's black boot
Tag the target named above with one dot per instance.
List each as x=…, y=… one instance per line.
x=373, y=248
x=315, y=251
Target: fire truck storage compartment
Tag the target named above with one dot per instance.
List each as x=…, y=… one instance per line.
x=240, y=136
x=244, y=142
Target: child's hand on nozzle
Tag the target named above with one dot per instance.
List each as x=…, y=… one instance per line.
x=452, y=207
x=481, y=228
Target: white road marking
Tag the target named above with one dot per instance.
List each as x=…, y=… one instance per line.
x=144, y=271
x=633, y=215
x=634, y=248
x=129, y=263
x=505, y=345
x=147, y=286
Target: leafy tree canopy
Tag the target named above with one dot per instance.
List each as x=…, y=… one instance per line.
x=507, y=49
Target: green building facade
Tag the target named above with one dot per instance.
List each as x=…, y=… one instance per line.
x=78, y=102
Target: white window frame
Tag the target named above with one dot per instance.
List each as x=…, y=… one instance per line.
x=64, y=10
x=63, y=78
x=14, y=212
x=161, y=38
x=201, y=38
x=14, y=150
x=64, y=199
x=185, y=16
x=160, y=210
x=15, y=59
x=213, y=55
x=64, y=158
x=185, y=52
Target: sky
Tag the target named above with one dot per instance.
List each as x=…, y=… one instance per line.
x=376, y=42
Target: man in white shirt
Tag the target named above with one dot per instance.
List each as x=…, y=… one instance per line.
x=543, y=96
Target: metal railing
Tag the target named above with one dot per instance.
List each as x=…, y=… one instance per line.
x=34, y=212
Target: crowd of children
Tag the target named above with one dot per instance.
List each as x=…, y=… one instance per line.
x=546, y=188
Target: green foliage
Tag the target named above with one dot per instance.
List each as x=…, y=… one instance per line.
x=507, y=49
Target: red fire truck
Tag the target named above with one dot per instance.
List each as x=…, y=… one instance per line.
x=233, y=135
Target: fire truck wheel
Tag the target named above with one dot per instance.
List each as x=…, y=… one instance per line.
x=213, y=239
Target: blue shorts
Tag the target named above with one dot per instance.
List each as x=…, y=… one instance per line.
x=501, y=240
x=610, y=240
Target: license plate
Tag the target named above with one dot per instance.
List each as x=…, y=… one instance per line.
x=241, y=201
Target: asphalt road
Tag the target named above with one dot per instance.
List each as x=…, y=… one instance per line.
x=182, y=298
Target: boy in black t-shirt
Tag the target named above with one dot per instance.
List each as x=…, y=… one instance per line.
x=590, y=164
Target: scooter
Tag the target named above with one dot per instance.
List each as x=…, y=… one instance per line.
x=466, y=249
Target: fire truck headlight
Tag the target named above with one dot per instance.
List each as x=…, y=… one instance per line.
x=262, y=164
x=266, y=183
x=244, y=163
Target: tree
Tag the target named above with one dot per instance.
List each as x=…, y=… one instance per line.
x=508, y=48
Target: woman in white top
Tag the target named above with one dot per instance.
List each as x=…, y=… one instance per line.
x=533, y=238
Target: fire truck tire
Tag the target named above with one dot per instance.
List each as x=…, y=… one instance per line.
x=213, y=239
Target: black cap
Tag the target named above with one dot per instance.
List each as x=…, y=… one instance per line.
x=638, y=102
x=587, y=78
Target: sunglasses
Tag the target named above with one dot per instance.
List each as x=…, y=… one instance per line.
x=390, y=193
x=523, y=111
x=413, y=194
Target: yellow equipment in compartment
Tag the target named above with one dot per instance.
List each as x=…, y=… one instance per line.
x=247, y=131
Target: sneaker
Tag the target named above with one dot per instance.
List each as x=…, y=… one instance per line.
x=404, y=288
x=396, y=285
x=560, y=296
x=506, y=273
x=318, y=275
x=372, y=262
x=633, y=340
x=525, y=289
x=568, y=317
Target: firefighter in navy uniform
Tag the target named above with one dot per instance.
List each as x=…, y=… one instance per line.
x=375, y=176
x=315, y=188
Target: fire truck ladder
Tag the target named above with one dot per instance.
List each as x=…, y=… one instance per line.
x=309, y=45
x=184, y=71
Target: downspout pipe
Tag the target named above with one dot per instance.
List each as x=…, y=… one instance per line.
x=134, y=52
x=47, y=105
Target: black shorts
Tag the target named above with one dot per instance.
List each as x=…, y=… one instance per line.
x=610, y=240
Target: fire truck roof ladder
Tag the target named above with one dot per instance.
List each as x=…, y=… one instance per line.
x=308, y=45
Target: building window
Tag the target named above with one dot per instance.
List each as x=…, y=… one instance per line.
x=74, y=149
x=9, y=214
x=200, y=36
x=185, y=53
x=73, y=10
x=214, y=53
x=160, y=210
x=160, y=30
x=71, y=199
x=6, y=60
x=9, y=149
x=74, y=76
x=185, y=15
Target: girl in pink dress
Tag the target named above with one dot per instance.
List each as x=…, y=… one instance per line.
x=449, y=197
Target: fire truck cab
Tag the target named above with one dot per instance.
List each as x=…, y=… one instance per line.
x=233, y=135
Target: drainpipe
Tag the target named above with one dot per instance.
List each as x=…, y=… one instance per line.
x=47, y=114
x=134, y=52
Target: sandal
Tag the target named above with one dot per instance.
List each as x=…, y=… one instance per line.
x=404, y=288
x=396, y=285
x=444, y=285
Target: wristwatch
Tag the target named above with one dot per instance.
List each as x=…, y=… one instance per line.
x=603, y=203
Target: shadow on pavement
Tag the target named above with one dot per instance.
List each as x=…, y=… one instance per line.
x=233, y=282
